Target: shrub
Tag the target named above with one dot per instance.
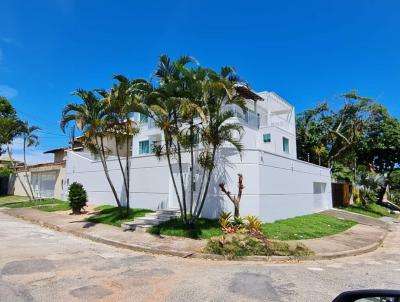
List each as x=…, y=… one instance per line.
x=367, y=196
x=77, y=197
x=229, y=224
x=232, y=246
x=253, y=223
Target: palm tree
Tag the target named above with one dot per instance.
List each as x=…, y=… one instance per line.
x=218, y=91
x=13, y=128
x=171, y=106
x=188, y=104
x=90, y=118
x=122, y=100
x=29, y=139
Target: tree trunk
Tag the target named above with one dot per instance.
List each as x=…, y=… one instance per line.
x=16, y=172
x=182, y=182
x=123, y=173
x=200, y=190
x=167, y=141
x=26, y=171
x=191, y=170
x=128, y=173
x=382, y=191
x=105, y=168
x=197, y=215
x=235, y=199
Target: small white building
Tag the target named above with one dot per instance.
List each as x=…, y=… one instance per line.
x=277, y=184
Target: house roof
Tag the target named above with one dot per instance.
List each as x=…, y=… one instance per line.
x=55, y=150
x=247, y=93
x=43, y=166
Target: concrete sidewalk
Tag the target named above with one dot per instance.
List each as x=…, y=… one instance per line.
x=361, y=238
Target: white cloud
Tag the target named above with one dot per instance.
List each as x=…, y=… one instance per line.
x=33, y=155
x=8, y=92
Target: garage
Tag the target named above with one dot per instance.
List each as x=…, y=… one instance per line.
x=43, y=183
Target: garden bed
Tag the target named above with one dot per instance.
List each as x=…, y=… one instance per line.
x=302, y=227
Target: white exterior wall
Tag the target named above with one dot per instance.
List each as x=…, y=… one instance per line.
x=277, y=185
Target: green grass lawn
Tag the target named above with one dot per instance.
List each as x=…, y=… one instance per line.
x=372, y=210
x=46, y=205
x=306, y=227
x=8, y=199
x=111, y=215
x=302, y=227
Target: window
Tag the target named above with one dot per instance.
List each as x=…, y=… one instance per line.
x=143, y=118
x=285, y=144
x=144, y=147
x=267, y=137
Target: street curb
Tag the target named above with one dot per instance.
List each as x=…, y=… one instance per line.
x=197, y=255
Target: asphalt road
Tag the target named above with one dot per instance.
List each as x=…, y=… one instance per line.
x=37, y=264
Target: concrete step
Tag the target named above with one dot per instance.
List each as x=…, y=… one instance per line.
x=132, y=226
x=150, y=219
x=169, y=211
x=162, y=216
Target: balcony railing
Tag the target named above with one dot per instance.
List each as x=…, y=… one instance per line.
x=248, y=117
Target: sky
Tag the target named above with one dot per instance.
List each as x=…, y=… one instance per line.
x=306, y=51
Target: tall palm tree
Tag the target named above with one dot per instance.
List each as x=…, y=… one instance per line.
x=29, y=139
x=90, y=118
x=122, y=100
x=218, y=91
x=189, y=103
x=171, y=106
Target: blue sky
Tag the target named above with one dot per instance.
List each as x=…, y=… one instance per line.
x=306, y=51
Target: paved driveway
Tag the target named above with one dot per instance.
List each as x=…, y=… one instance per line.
x=37, y=264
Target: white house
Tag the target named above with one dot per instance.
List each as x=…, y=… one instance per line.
x=277, y=184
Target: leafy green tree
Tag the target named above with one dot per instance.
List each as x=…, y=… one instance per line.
x=122, y=100
x=326, y=136
x=189, y=106
x=90, y=117
x=380, y=146
x=11, y=127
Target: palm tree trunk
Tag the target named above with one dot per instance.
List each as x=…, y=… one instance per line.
x=128, y=173
x=182, y=181
x=172, y=174
x=200, y=190
x=191, y=169
x=123, y=173
x=26, y=171
x=197, y=215
x=105, y=168
x=16, y=172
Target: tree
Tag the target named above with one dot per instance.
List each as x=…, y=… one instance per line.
x=312, y=134
x=90, y=118
x=29, y=139
x=188, y=105
x=11, y=127
x=122, y=100
x=234, y=198
x=380, y=147
x=329, y=137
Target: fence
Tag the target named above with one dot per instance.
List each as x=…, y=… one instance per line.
x=341, y=194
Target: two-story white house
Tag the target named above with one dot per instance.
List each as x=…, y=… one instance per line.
x=277, y=184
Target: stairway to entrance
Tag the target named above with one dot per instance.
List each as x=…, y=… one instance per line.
x=141, y=224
